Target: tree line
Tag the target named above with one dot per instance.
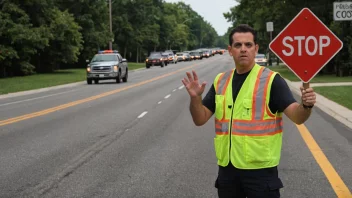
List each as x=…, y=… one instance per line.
x=38, y=36
x=257, y=12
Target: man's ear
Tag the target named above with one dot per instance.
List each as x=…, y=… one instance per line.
x=229, y=49
x=256, y=48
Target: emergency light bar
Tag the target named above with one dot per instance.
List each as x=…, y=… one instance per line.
x=107, y=51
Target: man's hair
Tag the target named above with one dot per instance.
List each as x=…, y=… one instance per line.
x=243, y=28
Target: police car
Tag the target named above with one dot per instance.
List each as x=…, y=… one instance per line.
x=105, y=65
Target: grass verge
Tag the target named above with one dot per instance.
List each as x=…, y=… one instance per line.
x=288, y=74
x=37, y=81
x=338, y=94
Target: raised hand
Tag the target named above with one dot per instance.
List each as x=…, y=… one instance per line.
x=192, y=85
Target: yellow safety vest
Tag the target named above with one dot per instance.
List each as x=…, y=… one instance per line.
x=256, y=133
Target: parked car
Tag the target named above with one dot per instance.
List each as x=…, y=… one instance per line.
x=260, y=59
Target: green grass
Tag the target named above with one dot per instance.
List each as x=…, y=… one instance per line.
x=15, y=84
x=285, y=72
x=133, y=66
x=288, y=74
x=338, y=94
x=37, y=81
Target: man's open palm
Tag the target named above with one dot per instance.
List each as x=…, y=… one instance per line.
x=192, y=85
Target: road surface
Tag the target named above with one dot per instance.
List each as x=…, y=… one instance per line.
x=137, y=139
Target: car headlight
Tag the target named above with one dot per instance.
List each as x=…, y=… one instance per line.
x=88, y=69
x=116, y=68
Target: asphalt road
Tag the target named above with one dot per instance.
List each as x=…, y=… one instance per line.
x=137, y=139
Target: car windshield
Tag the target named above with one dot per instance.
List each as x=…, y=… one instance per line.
x=104, y=57
x=155, y=56
x=260, y=56
x=179, y=54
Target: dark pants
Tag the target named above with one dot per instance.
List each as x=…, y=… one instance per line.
x=263, y=183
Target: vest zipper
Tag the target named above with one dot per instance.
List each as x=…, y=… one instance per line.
x=230, y=134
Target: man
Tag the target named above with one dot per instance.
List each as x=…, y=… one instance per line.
x=248, y=103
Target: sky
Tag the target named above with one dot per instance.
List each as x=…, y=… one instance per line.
x=212, y=11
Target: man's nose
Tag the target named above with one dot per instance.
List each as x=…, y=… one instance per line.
x=243, y=49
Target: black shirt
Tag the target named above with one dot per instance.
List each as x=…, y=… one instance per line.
x=280, y=95
x=280, y=98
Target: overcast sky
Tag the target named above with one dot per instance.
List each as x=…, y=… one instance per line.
x=212, y=11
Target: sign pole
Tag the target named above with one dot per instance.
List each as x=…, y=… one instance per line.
x=306, y=85
x=271, y=38
x=270, y=29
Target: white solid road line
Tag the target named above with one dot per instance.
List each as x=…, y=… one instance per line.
x=142, y=114
x=36, y=98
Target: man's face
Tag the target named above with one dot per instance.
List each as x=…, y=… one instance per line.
x=243, y=49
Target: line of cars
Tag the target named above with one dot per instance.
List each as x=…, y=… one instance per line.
x=109, y=64
x=169, y=56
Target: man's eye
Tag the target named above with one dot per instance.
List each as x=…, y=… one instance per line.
x=237, y=45
x=249, y=45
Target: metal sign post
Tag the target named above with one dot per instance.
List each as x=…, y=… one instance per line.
x=270, y=28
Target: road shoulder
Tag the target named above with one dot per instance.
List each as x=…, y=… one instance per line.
x=337, y=111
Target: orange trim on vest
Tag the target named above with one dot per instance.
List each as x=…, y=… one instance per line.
x=255, y=92
x=219, y=80
x=227, y=83
x=268, y=111
x=221, y=133
x=263, y=134
x=273, y=126
x=265, y=92
x=223, y=92
x=258, y=121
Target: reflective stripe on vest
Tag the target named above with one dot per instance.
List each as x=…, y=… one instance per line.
x=222, y=128
x=224, y=80
x=257, y=126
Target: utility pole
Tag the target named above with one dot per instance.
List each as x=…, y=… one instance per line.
x=110, y=40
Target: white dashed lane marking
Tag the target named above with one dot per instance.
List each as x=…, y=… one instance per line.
x=142, y=114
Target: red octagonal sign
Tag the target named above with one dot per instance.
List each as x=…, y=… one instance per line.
x=306, y=45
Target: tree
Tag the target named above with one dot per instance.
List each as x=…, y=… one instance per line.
x=257, y=13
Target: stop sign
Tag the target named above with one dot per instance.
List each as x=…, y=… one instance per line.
x=306, y=45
